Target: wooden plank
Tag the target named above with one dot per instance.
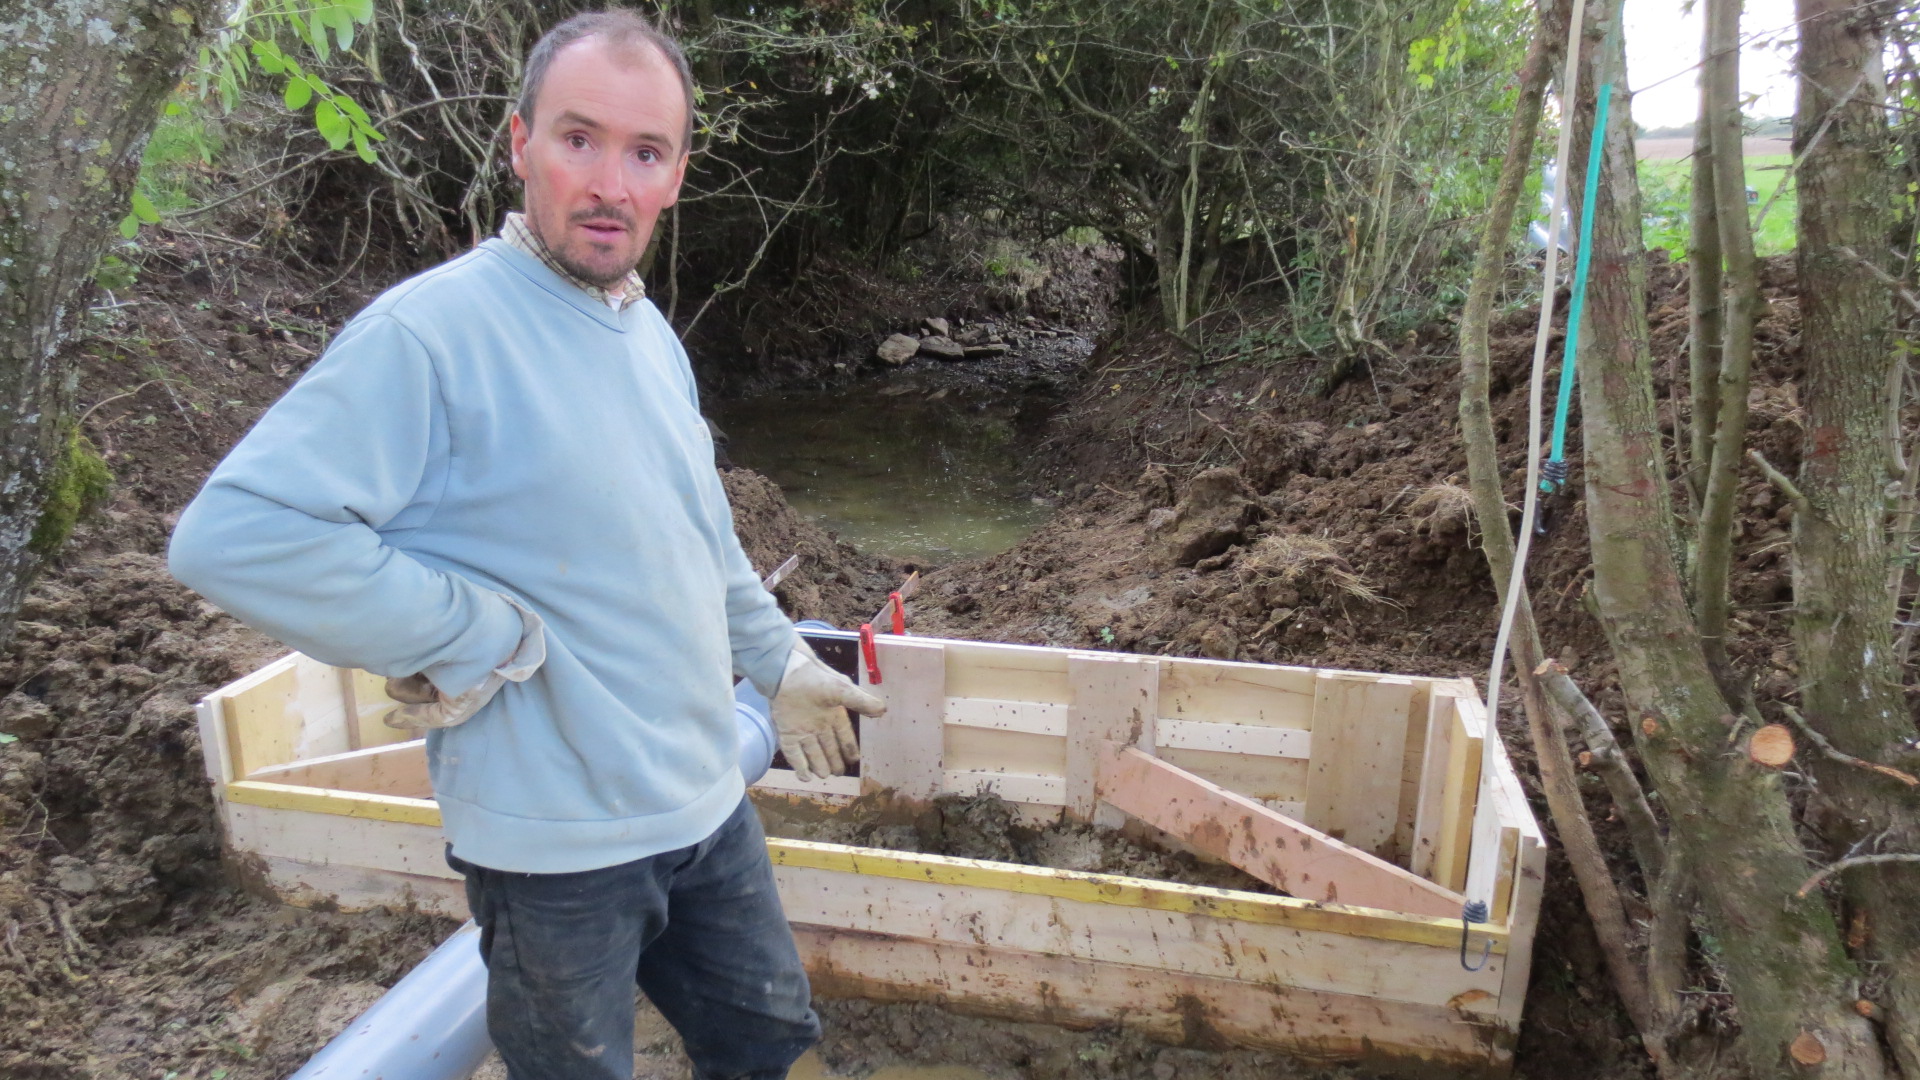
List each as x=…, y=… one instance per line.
x=787, y=781
x=1515, y=820
x=1006, y=672
x=1412, y=757
x=333, y=840
x=1015, y=787
x=1166, y=1006
x=1496, y=844
x=259, y=732
x=1224, y=692
x=1460, y=790
x=1286, y=854
x=320, y=802
x=1288, y=911
x=1359, y=732
x=207, y=713
x=1436, y=759
x=1115, y=699
x=1528, y=885
x=1266, y=779
x=1139, y=937
x=1028, y=717
x=901, y=752
x=398, y=769
x=1250, y=739
x=352, y=888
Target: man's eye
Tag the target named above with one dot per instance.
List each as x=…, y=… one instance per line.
x=578, y=142
x=647, y=155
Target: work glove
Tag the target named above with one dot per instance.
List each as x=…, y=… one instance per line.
x=422, y=705
x=810, y=713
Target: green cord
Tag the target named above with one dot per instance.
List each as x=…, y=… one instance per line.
x=1556, y=469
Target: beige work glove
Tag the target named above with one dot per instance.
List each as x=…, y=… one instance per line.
x=810, y=713
x=423, y=706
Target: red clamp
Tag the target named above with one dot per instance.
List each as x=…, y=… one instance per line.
x=899, y=613
x=869, y=653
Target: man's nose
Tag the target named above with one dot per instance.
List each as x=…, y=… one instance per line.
x=605, y=182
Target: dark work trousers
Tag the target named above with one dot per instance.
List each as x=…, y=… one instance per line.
x=700, y=929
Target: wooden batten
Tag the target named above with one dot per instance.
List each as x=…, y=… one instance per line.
x=393, y=769
x=902, y=751
x=1459, y=790
x=1115, y=700
x=1286, y=854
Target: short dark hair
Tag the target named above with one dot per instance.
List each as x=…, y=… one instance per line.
x=619, y=26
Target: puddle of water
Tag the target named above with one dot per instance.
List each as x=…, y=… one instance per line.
x=809, y=1067
x=928, y=481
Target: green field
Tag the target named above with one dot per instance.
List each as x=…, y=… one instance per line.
x=1664, y=193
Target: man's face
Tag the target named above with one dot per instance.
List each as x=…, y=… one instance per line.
x=602, y=158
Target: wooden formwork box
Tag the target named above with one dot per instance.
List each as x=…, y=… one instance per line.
x=1359, y=795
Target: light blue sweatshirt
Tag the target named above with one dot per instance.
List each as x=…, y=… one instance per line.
x=487, y=428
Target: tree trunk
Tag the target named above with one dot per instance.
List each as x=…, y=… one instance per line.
x=1713, y=553
x=1843, y=612
x=1729, y=817
x=1703, y=305
x=85, y=81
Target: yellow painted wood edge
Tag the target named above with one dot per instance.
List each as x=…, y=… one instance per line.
x=1064, y=884
x=1135, y=892
x=354, y=804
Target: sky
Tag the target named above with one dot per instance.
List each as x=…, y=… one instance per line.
x=1662, y=41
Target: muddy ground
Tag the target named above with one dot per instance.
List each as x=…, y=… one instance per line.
x=1337, y=538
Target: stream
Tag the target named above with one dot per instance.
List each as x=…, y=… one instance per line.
x=923, y=474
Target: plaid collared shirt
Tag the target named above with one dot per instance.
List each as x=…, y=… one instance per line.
x=516, y=232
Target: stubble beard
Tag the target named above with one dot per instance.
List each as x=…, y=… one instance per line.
x=564, y=255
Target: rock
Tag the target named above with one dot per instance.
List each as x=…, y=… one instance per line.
x=937, y=326
x=972, y=335
x=1213, y=514
x=70, y=875
x=981, y=352
x=942, y=348
x=1155, y=486
x=26, y=717
x=1401, y=400
x=897, y=349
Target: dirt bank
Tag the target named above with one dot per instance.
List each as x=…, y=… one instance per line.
x=1338, y=539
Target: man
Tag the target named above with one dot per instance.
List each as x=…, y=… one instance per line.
x=496, y=489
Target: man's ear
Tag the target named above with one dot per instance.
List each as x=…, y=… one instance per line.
x=517, y=133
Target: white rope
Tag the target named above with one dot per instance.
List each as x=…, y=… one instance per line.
x=1517, y=578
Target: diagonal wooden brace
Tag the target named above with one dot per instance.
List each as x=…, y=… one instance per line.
x=1292, y=857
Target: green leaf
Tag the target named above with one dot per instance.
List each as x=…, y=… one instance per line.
x=143, y=209
x=6, y=738
x=174, y=108
x=269, y=57
x=351, y=107
x=333, y=127
x=299, y=93
x=361, y=147
x=129, y=226
x=361, y=10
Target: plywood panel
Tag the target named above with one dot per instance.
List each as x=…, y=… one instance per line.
x=1359, y=734
x=368, y=700
x=1236, y=693
x=1014, y=787
x=1006, y=672
x=982, y=750
x=1115, y=699
x=1269, y=779
x=1162, y=1005
x=1141, y=937
x=400, y=769
x=901, y=751
x=1412, y=757
x=260, y=731
x=1528, y=885
x=332, y=839
x=352, y=888
x=1286, y=854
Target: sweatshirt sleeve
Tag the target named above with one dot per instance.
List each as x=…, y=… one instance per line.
x=760, y=633
x=286, y=534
